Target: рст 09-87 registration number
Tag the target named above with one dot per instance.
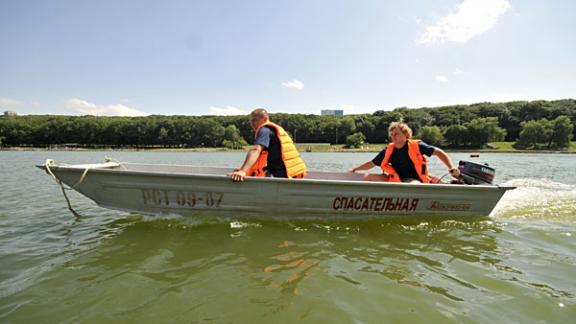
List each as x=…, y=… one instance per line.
x=156, y=197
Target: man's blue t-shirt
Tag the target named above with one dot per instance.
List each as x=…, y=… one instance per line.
x=401, y=162
x=269, y=140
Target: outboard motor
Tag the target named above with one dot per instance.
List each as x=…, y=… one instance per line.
x=473, y=173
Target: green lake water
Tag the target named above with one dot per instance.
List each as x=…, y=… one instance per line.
x=116, y=267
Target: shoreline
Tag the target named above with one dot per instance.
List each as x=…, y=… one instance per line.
x=374, y=148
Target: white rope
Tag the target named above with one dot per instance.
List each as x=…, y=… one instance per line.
x=121, y=165
x=82, y=177
x=49, y=163
x=109, y=159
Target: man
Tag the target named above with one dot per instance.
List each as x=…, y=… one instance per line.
x=273, y=154
x=403, y=160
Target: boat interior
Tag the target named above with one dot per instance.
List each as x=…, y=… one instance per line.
x=185, y=169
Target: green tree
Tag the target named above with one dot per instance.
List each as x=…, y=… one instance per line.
x=456, y=135
x=534, y=110
x=232, y=138
x=417, y=118
x=561, y=132
x=330, y=128
x=347, y=126
x=162, y=136
x=364, y=125
x=432, y=135
x=355, y=140
x=484, y=130
x=208, y=132
x=534, y=132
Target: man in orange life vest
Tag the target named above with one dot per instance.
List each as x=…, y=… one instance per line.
x=273, y=154
x=403, y=160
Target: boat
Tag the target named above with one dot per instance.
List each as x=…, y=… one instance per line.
x=197, y=190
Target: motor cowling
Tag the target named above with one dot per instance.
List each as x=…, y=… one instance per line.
x=473, y=173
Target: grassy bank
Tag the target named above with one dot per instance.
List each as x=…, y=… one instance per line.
x=495, y=147
x=509, y=148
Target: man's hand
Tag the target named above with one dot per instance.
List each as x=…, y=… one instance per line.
x=238, y=175
x=455, y=172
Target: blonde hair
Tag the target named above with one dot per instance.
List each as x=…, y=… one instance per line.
x=402, y=127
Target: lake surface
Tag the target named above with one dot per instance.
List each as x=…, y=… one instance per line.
x=114, y=267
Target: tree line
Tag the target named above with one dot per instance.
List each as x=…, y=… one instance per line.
x=531, y=124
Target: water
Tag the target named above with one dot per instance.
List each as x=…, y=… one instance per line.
x=117, y=267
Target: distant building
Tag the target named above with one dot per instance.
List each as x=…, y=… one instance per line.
x=332, y=112
x=10, y=113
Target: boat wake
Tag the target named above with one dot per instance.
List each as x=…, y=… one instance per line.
x=538, y=199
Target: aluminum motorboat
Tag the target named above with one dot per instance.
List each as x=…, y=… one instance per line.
x=194, y=190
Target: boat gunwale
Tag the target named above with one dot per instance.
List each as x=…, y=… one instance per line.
x=118, y=170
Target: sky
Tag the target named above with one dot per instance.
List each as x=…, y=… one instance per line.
x=200, y=57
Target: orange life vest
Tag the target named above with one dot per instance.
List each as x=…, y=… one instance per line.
x=419, y=161
x=295, y=167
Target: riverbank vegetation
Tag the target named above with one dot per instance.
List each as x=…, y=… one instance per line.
x=535, y=125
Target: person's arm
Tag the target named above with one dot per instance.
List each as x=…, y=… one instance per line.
x=251, y=158
x=261, y=143
x=366, y=166
x=447, y=162
x=376, y=161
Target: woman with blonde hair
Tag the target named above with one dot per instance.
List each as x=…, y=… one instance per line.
x=403, y=159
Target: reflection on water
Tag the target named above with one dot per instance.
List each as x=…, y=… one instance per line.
x=263, y=269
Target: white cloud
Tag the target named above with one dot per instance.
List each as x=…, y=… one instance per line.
x=471, y=18
x=227, y=111
x=441, y=78
x=294, y=84
x=89, y=108
x=10, y=102
x=458, y=72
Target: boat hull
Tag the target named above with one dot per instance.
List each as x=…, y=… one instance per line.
x=183, y=190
